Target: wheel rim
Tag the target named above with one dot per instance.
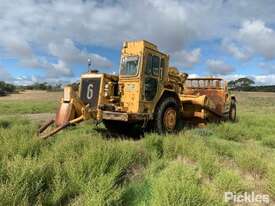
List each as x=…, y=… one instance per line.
x=170, y=119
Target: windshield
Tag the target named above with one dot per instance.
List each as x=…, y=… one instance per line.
x=129, y=66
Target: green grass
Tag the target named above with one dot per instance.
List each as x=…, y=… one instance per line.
x=27, y=107
x=81, y=166
x=228, y=180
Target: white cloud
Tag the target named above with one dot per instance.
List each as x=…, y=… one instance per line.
x=98, y=23
x=264, y=79
x=25, y=80
x=69, y=53
x=33, y=32
x=239, y=53
x=16, y=46
x=218, y=67
x=59, y=69
x=259, y=37
x=267, y=67
x=252, y=38
x=186, y=59
x=5, y=75
x=66, y=53
x=171, y=24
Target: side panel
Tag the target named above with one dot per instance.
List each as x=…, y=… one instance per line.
x=131, y=94
x=90, y=91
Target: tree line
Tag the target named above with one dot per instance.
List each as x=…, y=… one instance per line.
x=42, y=86
x=241, y=84
x=246, y=84
x=6, y=88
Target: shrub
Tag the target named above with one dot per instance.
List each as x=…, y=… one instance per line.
x=5, y=87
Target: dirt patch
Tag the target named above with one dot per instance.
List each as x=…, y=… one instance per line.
x=38, y=118
x=34, y=95
x=241, y=96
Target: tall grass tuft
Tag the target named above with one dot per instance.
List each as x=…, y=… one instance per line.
x=251, y=159
x=178, y=185
x=228, y=180
x=270, y=181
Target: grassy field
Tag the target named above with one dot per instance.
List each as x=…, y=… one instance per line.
x=30, y=102
x=86, y=166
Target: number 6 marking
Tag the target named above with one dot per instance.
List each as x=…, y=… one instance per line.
x=90, y=91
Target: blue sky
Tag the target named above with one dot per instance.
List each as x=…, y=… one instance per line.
x=52, y=40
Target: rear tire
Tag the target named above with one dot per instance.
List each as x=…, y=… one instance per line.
x=167, y=116
x=233, y=112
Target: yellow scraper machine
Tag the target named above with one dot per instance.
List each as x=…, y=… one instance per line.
x=147, y=92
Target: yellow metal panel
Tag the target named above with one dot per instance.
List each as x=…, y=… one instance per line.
x=130, y=97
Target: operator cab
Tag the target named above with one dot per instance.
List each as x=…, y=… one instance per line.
x=142, y=68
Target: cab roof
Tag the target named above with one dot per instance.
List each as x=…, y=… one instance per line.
x=140, y=43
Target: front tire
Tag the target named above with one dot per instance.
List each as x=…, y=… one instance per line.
x=167, y=116
x=233, y=112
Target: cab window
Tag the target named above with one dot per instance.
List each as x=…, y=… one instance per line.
x=153, y=65
x=129, y=66
x=148, y=69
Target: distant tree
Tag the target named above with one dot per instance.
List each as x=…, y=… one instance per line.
x=244, y=82
x=43, y=86
x=231, y=84
x=7, y=88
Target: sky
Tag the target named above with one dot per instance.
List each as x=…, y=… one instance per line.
x=51, y=40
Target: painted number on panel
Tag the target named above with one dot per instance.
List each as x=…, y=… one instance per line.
x=90, y=91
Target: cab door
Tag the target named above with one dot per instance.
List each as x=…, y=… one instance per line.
x=151, y=79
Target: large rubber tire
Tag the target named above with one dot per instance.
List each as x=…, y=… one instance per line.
x=233, y=112
x=167, y=116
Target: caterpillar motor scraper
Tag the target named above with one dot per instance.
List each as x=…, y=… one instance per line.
x=147, y=92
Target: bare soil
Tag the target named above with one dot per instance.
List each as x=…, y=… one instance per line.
x=33, y=95
x=37, y=95
x=40, y=118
